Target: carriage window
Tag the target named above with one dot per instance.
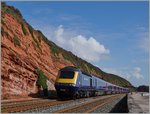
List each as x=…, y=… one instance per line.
x=66, y=74
x=109, y=87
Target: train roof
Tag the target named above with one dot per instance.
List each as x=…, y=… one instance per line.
x=70, y=68
x=86, y=73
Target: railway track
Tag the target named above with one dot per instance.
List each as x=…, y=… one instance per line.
x=29, y=106
x=5, y=102
x=90, y=106
x=24, y=106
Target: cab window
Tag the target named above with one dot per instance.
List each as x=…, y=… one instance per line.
x=66, y=74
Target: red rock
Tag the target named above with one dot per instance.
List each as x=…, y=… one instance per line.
x=19, y=62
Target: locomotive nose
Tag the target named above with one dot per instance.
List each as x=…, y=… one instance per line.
x=65, y=89
x=66, y=83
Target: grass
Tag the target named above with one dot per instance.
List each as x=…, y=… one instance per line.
x=54, y=50
x=35, y=40
x=37, y=43
x=53, y=47
x=23, y=29
x=12, y=11
x=31, y=31
x=16, y=41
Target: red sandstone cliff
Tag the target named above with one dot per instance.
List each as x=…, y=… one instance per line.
x=20, y=59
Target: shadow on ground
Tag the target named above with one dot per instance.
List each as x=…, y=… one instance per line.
x=121, y=106
x=51, y=94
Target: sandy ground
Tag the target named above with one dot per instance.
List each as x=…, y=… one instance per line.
x=138, y=102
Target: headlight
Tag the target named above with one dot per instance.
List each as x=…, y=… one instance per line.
x=71, y=84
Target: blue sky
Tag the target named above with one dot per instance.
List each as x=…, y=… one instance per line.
x=110, y=35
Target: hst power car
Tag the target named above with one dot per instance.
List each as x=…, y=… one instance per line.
x=74, y=83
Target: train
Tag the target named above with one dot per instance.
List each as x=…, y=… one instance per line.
x=72, y=82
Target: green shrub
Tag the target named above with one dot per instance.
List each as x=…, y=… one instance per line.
x=24, y=29
x=54, y=50
x=3, y=7
x=12, y=11
x=31, y=31
x=53, y=47
x=37, y=43
x=16, y=41
x=35, y=40
x=42, y=79
x=44, y=38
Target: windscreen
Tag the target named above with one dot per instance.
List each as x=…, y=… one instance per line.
x=66, y=74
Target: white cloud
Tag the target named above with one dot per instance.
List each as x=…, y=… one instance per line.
x=119, y=71
x=73, y=40
x=137, y=73
x=126, y=73
x=86, y=48
x=59, y=35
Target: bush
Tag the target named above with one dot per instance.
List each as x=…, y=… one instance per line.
x=53, y=47
x=24, y=29
x=44, y=38
x=54, y=50
x=16, y=41
x=31, y=30
x=12, y=11
x=42, y=79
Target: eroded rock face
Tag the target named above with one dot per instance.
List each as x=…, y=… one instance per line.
x=20, y=61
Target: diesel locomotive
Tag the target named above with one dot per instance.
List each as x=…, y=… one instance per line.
x=74, y=83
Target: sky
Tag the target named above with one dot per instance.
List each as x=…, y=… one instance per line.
x=113, y=36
